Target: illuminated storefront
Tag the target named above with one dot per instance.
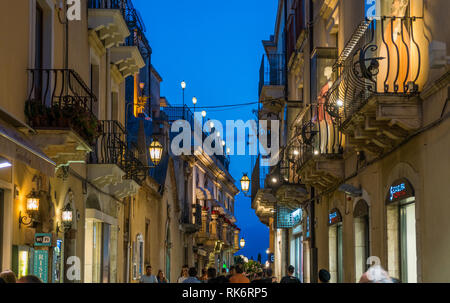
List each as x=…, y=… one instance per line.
x=401, y=231
x=335, y=246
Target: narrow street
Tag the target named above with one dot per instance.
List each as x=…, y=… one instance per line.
x=232, y=142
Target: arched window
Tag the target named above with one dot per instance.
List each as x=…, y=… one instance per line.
x=336, y=265
x=401, y=231
x=361, y=233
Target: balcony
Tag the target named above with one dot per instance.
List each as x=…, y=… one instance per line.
x=126, y=60
x=320, y=158
x=59, y=108
x=175, y=113
x=191, y=222
x=380, y=74
x=107, y=24
x=272, y=79
x=263, y=200
x=111, y=164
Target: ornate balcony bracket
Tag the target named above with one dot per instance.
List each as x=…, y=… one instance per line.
x=323, y=171
x=383, y=123
x=63, y=146
x=127, y=59
x=109, y=26
x=291, y=195
x=124, y=189
x=105, y=174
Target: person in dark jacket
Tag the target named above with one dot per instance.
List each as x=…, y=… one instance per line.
x=324, y=276
x=290, y=278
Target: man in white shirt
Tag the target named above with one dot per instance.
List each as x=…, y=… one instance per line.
x=148, y=277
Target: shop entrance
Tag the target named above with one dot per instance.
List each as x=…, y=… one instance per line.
x=361, y=231
x=401, y=231
x=335, y=246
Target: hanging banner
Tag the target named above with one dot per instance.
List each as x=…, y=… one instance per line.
x=40, y=265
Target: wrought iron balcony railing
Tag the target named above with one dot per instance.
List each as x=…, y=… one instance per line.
x=59, y=98
x=320, y=135
x=193, y=217
x=174, y=113
x=132, y=18
x=111, y=148
x=272, y=71
x=382, y=57
x=259, y=176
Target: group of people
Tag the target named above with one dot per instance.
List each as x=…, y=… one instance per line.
x=9, y=276
x=375, y=274
x=236, y=274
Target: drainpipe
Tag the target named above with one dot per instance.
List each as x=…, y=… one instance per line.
x=314, y=263
x=108, y=85
x=129, y=240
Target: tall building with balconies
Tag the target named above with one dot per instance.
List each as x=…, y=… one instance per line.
x=373, y=81
x=206, y=193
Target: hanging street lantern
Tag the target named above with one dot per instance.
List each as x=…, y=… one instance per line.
x=245, y=183
x=155, y=150
x=242, y=242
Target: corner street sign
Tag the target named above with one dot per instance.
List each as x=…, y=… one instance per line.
x=43, y=240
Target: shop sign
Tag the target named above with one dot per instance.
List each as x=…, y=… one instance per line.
x=400, y=190
x=271, y=258
x=40, y=265
x=43, y=240
x=334, y=217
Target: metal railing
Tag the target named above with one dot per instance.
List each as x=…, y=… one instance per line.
x=111, y=148
x=60, y=98
x=272, y=71
x=259, y=176
x=382, y=57
x=194, y=216
x=174, y=113
x=320, y=135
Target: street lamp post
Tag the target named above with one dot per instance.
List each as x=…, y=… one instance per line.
x=194, y=101
x=203, y=116
x=183, y=86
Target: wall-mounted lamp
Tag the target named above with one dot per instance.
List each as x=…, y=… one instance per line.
x=32, y=210
x=242, y=243
x=350, y=190
x=66, y=219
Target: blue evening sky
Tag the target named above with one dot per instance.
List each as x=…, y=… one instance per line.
x=215, y=46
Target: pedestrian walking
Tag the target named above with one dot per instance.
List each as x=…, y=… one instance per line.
x=212, y=276
x=148, y=277
x=184, y=274
x=324, y=276
x=161, y=277
x=239, y=276
x=290, y=278
x=376, y=274
x=192, y=276
x=204, y=276
x=231, y=272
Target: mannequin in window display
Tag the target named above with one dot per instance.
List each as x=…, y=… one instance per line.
x=326, y=128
